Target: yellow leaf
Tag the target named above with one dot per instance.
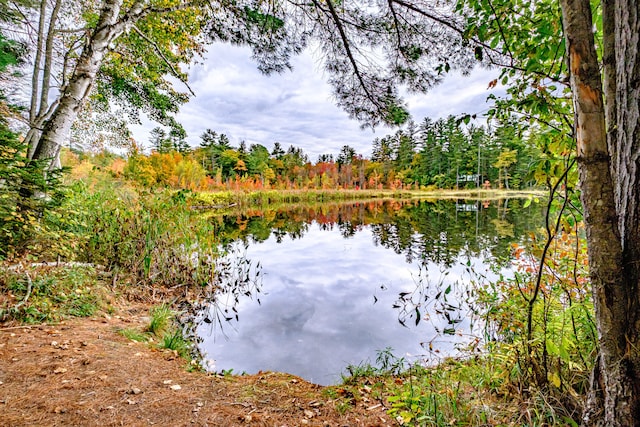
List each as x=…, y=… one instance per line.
x=554, y=379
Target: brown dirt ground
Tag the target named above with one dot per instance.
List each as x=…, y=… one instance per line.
x=82, y=372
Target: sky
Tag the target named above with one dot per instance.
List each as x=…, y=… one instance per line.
x=296, y=107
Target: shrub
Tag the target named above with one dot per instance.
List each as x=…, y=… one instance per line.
x=29, y=197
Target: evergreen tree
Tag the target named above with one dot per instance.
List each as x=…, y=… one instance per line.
x=160, y=141
x=347, y=153
x=277, y=151
x=177, y=137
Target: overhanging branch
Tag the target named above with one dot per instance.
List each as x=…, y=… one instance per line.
x=164, y=58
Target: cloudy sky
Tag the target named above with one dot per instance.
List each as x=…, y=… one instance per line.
x=296, y=108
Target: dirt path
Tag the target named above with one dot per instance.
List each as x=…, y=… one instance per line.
x=82, y=372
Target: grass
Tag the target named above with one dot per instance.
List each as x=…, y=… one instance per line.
x=469, y=392
x=452, y=393
x=174, y=340
x=161, y=318
x=463, y=392
x=163, y=330
x=154, y=237
x=51, y=294
x=134, y=334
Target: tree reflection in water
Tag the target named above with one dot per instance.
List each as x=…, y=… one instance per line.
x=435, y=236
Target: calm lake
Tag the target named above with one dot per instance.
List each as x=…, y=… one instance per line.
x=318, y=288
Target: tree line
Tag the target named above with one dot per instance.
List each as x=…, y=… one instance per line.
x=434, y=154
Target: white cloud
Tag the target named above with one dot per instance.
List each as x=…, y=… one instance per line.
x=296, y=108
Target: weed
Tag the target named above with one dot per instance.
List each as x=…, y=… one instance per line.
x=174, y=340
x=446, y=394
x=134, y=334
x=155, y=237
x=386, y=365
x=342, y=407
x=342, y=398
x=357, y=372
x=330, y=393
x=50, y=294
x=161, y=318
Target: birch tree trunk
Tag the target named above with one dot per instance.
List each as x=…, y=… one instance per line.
x=111, y=24
x=610, y=198
x=73, y=96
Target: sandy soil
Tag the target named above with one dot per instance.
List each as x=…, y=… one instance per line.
x=83, y=373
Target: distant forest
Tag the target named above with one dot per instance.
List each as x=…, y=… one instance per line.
x=432, y=154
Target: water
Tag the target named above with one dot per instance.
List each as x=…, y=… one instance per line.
x=339, y=283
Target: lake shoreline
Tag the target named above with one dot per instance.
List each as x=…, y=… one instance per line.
x=85, y=371
x=70, y=369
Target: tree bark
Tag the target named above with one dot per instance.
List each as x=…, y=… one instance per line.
x=73, y=96
x=109, y=27
x=111, y=24
x=626, y=137
x=610, y=199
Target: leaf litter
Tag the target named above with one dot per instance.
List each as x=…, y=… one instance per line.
x=82, y=372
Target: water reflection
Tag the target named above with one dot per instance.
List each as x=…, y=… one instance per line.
x=342, y=281
x=424, y=231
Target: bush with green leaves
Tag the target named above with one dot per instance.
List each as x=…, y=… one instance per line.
x=152, y=236
x=31, y=221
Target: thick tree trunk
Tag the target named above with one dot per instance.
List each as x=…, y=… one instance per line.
x=626, y=137
x=73, y=96
x=109, y=27
x=609, y=202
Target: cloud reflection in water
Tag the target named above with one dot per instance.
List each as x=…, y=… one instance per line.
x=327, y=302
